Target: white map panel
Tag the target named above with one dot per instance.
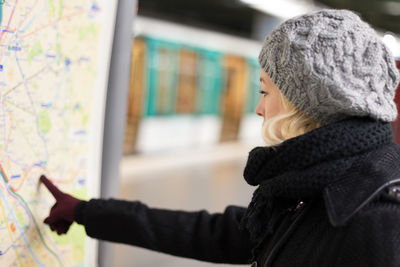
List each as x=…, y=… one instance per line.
x=54, y=60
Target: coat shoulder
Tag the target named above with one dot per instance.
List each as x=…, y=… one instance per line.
x=392, y=194
x=384, y=209
x=373, y=235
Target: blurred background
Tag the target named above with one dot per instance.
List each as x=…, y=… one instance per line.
x=193, y=89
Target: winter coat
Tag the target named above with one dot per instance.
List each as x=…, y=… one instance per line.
x=354, y=220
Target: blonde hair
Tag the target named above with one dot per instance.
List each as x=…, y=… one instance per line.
x=289, y=123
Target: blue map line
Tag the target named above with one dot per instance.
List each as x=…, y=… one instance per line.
x=3, y=106
x=32, y=104
x=19, y=228
x=19, y=164
x=59, y=89
x=4, y=122
x=33, y=19
x=13, y=244
x=4, y=109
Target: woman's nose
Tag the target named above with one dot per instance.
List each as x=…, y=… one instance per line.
x=259, y=109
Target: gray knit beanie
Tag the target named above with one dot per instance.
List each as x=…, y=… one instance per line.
x=332, y=65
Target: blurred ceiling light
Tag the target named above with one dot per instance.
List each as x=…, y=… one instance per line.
x=392, y=44
x=284, y=9
x=391, y=8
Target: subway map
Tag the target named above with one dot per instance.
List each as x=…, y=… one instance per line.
x=51, y=56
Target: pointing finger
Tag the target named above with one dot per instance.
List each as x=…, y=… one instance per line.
x=52, y=188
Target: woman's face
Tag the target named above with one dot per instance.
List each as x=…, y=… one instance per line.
x=270, y=101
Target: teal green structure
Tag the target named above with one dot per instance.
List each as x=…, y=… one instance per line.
x=210, y=79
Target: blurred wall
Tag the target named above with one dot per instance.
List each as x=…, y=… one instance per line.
x=192, y=87
x=185, y=93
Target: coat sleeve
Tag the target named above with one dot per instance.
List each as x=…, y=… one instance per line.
x=197, y=235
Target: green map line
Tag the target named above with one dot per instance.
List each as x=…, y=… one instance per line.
x=4, y=176
x=1, y=10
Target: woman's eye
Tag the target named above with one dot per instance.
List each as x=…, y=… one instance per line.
x=263, y=92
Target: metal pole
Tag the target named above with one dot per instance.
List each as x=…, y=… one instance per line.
x=116, y=104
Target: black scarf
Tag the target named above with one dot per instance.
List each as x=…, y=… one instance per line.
x=301, y=167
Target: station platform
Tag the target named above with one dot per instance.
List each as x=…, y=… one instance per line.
x=204, y=178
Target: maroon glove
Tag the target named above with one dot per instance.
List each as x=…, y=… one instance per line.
x=62, y=213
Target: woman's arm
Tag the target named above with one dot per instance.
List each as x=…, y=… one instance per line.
x=198, y=235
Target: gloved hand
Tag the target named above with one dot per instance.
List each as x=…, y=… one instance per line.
x=62, y=213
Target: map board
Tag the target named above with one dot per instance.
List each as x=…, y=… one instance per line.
x=54, y=63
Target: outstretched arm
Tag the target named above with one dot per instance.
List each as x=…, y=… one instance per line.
x=198, y=235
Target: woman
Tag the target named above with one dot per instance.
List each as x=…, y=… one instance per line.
x=327, y=193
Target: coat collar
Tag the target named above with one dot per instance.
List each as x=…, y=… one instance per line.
x=362, y=183
x=335, y=141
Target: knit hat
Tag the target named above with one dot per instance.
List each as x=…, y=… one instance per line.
x=331, y=65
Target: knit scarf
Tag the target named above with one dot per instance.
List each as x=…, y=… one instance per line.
x=301, y=167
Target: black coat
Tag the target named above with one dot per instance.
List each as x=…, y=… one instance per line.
x=355, y=222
